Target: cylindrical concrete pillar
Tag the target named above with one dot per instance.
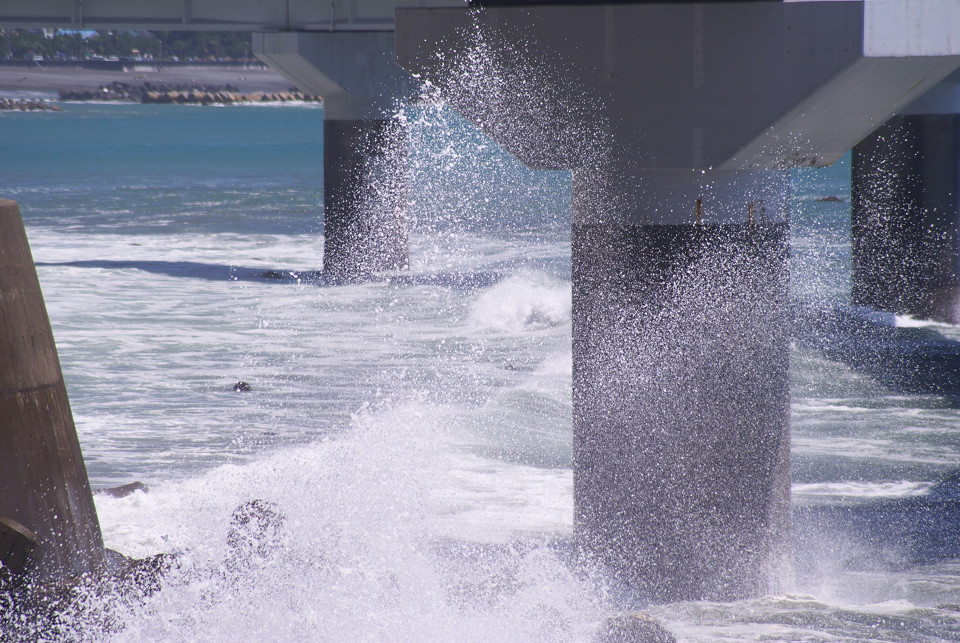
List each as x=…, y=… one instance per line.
x=43, y=480
x=680, y=389
x=364, y=193
x=905, y=212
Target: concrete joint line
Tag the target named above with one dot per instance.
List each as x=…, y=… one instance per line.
x=34, y=389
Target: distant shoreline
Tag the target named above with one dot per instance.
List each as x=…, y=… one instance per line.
x=36, y=79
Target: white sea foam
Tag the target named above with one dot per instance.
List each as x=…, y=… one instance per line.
x=895, y=489
x=522, y=302
x=363, y=555
x=906, y=321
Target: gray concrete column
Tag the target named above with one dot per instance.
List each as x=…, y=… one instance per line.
x=680, y=396
x=364, y=186
x=905, y=209
x=674, y=117
x=43, y=480
x=365, y=151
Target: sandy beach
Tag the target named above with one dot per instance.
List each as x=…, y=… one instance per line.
x=51, y=81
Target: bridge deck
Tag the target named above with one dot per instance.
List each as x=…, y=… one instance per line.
x=209, y=15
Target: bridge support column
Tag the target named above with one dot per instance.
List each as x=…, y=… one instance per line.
x=905, y=211
x=43, y=480
x=680, y=391
x=364, y=158
x=364, y=191
x=680, y=316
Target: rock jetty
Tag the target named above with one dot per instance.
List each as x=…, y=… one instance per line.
x=11, y=104
x=184, y=94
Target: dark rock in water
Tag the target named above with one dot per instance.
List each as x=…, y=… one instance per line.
x=124, y=490
x=194, y=93
x=256, y=532
x=116, y=562
x=242, y=386
x=27, y=105
x=18, y=546
x=137, y=576
x=632, y=628
x=509, y=367
x=32, y=610
x=145, y=575
x=293, y=276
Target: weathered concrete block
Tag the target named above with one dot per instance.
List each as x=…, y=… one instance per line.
x=43, y=480
x=18, y=546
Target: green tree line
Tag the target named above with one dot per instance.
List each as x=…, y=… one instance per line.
x=26, y=44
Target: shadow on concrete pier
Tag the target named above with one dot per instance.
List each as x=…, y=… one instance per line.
x=906, y=359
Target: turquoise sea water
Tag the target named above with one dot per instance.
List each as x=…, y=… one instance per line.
x=149, y=167
x=390, y=419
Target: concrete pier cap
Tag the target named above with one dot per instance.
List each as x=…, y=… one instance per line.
x=679, y=121
x=688, y=85
x=354, y=72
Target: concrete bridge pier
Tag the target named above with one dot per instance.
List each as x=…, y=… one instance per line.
x=364, y=188
x=43, y=480
x=678, y=121
x=680, y=392
x=364, y=160
x=905, y=210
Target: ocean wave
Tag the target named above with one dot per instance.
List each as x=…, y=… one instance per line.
x=524, y=302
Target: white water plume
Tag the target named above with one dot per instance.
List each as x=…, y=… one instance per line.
x=366, y=554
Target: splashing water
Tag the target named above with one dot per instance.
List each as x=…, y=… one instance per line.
x=415, y=436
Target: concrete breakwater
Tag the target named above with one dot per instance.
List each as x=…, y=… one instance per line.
x=180, y=93
x=12, y=104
